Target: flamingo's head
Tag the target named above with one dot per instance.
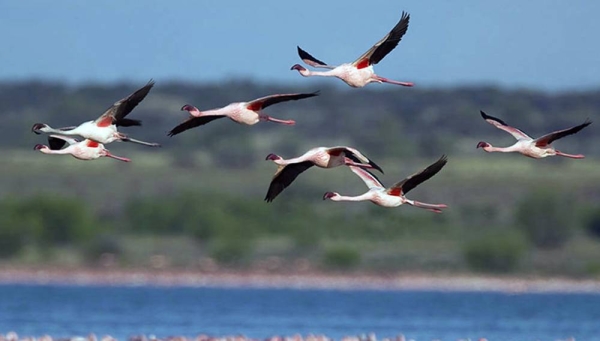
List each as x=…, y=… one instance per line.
x=273, y=157
x=187, y=107
x=329, y=195
x=483, y=144
x=39, y=146
x=298, y=67
x=37, y=128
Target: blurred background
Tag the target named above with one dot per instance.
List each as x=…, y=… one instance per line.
x=197, y=202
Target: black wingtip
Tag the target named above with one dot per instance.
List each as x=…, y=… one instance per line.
x=488, y=117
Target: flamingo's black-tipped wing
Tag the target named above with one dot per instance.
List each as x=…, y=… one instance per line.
x=310, y=60
x=376, y=53
x=124, y=106
x=354, y=158
x=416, y=179
x=127, y=122
x=263, y=102
x=56, y=142
x=284, y=177
x=549, y=138
x=193, y=122
x=498, y=123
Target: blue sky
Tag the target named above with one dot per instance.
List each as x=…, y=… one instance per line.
x=542, y=44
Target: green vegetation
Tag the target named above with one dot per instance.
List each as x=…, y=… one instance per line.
x=341, y=257
x=546, y=218
x=197, y=202
x=501, y=251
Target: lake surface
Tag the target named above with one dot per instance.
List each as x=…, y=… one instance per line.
x=63, y=311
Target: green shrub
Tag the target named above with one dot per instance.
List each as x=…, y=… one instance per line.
x=100, y=245
x=496, y=252
x=56, y=220
x=546, y=218
x=12, y=234
x=341, y=257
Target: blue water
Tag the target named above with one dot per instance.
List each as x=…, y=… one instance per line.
x=63, y=311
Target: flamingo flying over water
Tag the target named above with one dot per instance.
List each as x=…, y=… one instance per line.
x=241, y=112
x=360, y=72
x=534, y=148
x=104, y=128
x=323, y=157
x=82, y=150
x=395, y=195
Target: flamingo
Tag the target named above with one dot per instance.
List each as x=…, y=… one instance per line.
x=104, y=128
x=534, y=148
x=360, y=72
x=324, y=157
x=241, y=112
x=82, y=150
x=395, y=195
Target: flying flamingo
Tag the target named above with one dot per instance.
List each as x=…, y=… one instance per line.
x=395, y=195
x=534, y=148
x=360, y=72
x=322, y=157
x=104, y=128
x=82, y=150
x=241, y=112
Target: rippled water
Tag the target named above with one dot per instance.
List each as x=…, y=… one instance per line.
x=124, y=311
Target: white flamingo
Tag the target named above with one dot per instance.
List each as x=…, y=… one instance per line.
x=534, y=148
x=104, y=128
x=82, y=150
x=324, y=157
x=395, y=195
x=241, y=112
x=360, y=72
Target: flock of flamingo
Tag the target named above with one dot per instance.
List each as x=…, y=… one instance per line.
x=357, y=74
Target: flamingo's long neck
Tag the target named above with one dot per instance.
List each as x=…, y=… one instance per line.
x=309, y=73
x=491, y=149
x=363, y=197
x=48, y=129
x=67, y=150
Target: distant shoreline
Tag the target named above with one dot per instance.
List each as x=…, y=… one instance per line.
x=243, y=279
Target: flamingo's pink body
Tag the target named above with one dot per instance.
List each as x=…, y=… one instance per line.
x=248, y=113
x=323, y=157
x=528, y=146
x=82, y=150
x=360, y=72
x=104, y=128
x=393, y=196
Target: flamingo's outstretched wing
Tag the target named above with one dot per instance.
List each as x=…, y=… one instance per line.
x=498, y=123
x=193, y=122
x=263, y=102
x=369, y=178
x=354, y=155
x=376, y=53
x=117, y=112
x=284, y=177
x=549, y=138
x=312, y=61
x=406, y=185
x=56, y=142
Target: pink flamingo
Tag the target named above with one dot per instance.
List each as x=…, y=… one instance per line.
x=360, y=72
x=241, y=112
x=104, y=128
x=82, y=150
x=534, y=148
x=395, y=195
x=323, y=157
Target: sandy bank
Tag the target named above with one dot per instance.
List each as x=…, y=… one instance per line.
x=425, y=282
